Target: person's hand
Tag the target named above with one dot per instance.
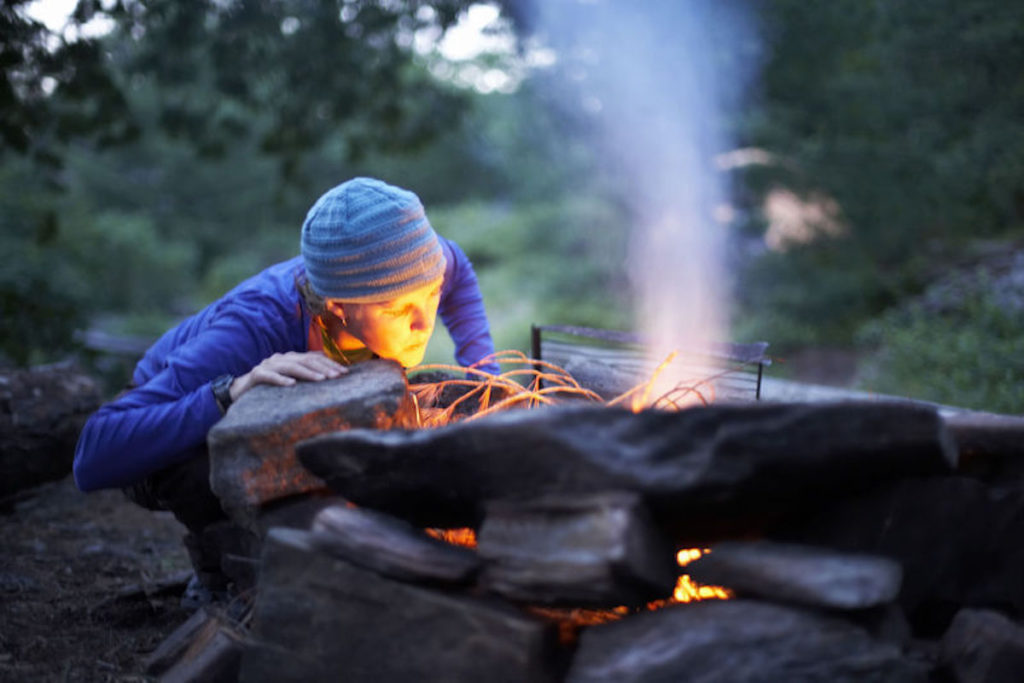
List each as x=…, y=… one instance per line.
x=283, y=369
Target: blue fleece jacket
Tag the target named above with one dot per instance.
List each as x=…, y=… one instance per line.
x=164, y=420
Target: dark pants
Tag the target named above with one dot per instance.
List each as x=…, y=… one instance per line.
x=215, y=544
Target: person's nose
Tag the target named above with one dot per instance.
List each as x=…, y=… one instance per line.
x=420, y=320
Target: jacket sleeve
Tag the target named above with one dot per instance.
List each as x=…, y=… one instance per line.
x=462, y=310
x=159, y=423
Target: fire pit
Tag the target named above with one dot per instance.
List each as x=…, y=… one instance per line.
x=843, y=540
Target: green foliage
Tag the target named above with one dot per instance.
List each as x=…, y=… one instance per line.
x=541, y=263
x=288, y=74
x=128, y=265
x=52, y=89
x=909, y=116
x=962, y=349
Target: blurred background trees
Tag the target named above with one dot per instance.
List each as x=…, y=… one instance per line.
x=147, y=169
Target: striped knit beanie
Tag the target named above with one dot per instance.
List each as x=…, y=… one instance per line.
x=366, y=241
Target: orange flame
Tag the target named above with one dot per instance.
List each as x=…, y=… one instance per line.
x=686, y=590
x=531, y=383
x=522, y=386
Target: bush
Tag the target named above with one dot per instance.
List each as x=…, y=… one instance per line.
x=960, y=344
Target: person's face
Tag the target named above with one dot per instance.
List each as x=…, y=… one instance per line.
x=397, y=329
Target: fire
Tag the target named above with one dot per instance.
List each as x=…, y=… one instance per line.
x=686, y=590
x=464, y=537
x=530, y=383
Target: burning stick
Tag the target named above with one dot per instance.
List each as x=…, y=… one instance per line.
x=523, y=385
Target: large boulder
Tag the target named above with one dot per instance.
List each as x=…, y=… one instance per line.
x=321, y=618
x=42, y=411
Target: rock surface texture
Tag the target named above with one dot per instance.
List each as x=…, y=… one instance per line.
x=799, y=574
x=252, y=454
x=42, y=411
x=320, y=618
x=735, y=640
x=597, y=550
x=691, y=467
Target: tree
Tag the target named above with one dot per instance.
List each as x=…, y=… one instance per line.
x=290, y=72
x=910, y=117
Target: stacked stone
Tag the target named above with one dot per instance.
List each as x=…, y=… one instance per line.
x=869, y=540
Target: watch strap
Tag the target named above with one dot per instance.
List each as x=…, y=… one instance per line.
x=221, y=387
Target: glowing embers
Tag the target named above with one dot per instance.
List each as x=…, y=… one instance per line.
x=688, y=590
x=464, y=536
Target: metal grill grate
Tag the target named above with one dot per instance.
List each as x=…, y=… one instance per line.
x=611, y=361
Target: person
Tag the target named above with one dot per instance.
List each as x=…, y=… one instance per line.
x=370, y=279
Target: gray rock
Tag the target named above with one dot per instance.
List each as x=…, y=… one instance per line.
x=737, y=641
x=319, y=618
x=391, y=547
x=596, y=550
x=957, y=540
x=982, y=645
x=252, y=456
x=42, y=411
x=991, y=446
x=800, y=574
x=693, y=467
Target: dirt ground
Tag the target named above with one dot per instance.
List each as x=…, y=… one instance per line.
x=89, y=585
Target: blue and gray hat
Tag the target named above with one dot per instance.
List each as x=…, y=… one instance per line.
x=365, y=241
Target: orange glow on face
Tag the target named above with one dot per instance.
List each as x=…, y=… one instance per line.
x=398, y=329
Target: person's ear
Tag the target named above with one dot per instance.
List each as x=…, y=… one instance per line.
x=335, y=308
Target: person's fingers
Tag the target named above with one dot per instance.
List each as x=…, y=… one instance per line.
x=298, y=370
x=263, y=374
x=321, y=363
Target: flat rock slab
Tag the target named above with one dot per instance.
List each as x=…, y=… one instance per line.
x=982, y=645
x=957, y=540
x=800, y=574
x=706, y=461
x=739, y=641
x=391, y=547
x=252, y=455
x=591, y=550
x=319, y=618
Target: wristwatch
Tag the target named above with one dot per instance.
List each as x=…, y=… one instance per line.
x=222, y=392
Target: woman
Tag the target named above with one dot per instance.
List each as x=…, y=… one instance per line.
x=370, y=280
